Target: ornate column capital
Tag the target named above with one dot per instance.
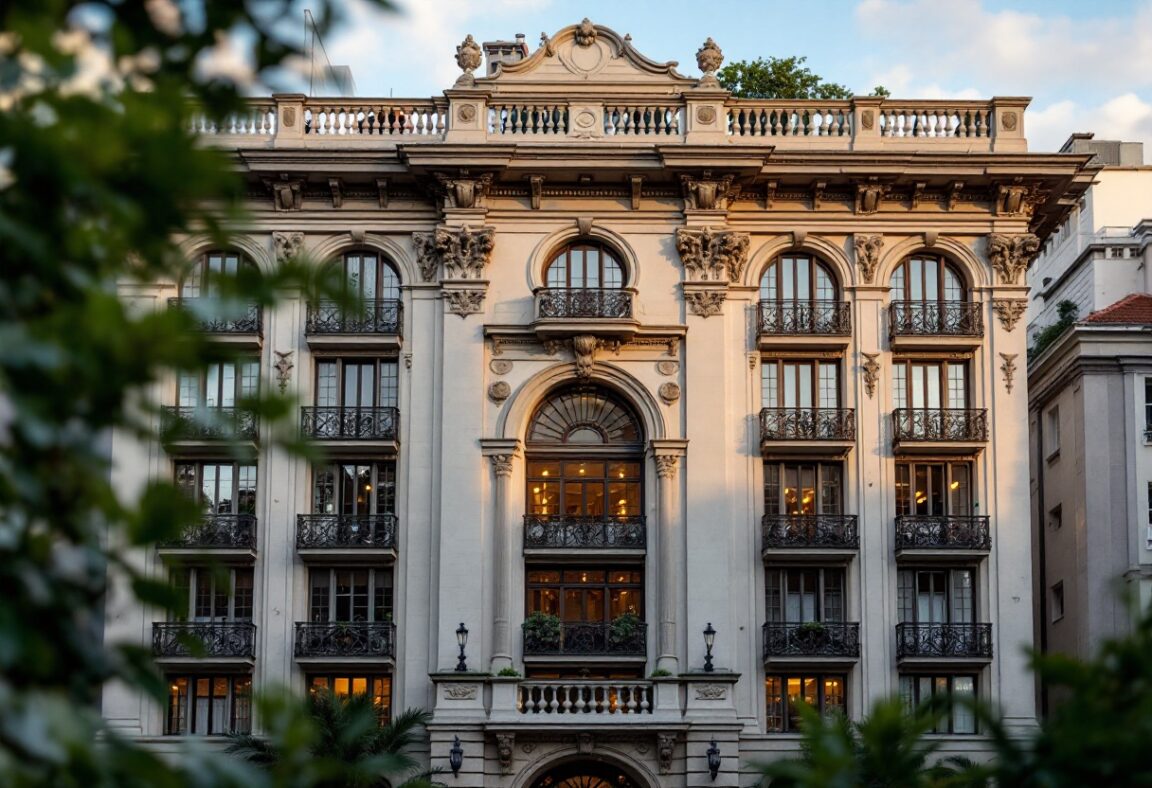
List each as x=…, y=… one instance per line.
x=501, y=452
x=464, y=251
x=667, y=453
x=713, y=255
x=666, y=465
x=1011, y=254
x=501, y=463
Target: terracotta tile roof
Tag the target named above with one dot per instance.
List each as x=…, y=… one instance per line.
x=1135, y=308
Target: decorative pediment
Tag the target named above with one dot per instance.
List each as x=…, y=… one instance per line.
x=586, y=53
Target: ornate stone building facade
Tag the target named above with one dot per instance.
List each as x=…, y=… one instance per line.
x=637, y=361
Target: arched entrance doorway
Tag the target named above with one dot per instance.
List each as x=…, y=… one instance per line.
x=586, y=774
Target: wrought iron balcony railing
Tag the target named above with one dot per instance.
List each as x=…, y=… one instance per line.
x=207, y=423
x=373, y=316
x=807, y=424
x=345, y=639
x=943, y=532
x=586, y=532
x=810, y=530
x=334, y=531
x=940, y=424
x=204, y=639
x=218, y=531
x=936, y=318
x=812, y=639
x=217, y=316
x=350, y=423
x=583, y=302
x=822, y=318
x=589, y=639
x=944, y=640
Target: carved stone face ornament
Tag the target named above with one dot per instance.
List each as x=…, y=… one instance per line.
x=585, y=33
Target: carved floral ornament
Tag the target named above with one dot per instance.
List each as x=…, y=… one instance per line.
x=868, y=254
x=464, y=251
x=283, y=367
x=1009, y=310
x=705, y=303
x=499, y=391
x=1011, y=254
x=666, y=465
x=464, y=302
x=1008, y=367
x=871, y=373
x=461, y=691
x=713, y=255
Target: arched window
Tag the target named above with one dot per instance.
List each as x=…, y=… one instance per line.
x=202, y=280
x=371, y=281
x=929, y=297
x=798, y=295
x=584, y=495
x=370, y=276
x=584, y=265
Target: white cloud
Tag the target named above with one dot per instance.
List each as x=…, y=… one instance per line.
x=1125, y=117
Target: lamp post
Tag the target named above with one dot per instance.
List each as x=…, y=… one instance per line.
x=456, y=754
x=713, y=760
x=709, y=639
x=462, y=641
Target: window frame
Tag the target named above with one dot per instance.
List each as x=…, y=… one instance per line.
x=774, y=384
x=386, y=282
x=240, y=606
x=381, y=482
x=903, y=386
x=607, y=278
x=197, y=281
x=194, y=485
x=385, y=387
x=823, y=595
x=561, y=587
x=943, y=267
x=951, y=604
x=912, y=698
x=775, y=476
x=382, y=701
x=181, y=708
x=536, y=479
x=774, y=292
x=788, y=721
x=948, y=477
x=192, y=387
x=380, y=589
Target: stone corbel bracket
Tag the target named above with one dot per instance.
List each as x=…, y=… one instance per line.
x=707, y=193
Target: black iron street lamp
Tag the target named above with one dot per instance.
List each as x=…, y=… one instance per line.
x=713, y=759
x=709, y=639
x=462, y=640
x=456, y=754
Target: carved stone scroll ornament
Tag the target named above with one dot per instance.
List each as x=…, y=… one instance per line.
x=665, y=747
x=871, y=373
x=461, y=691
x=707, y=193
x=868, y=254
x=705, y=303
x=464, y=191
x=504, y=744
x=666, y=465
x=468, y=58
x=287, y=245
x=1009, y=310
x=1008, y=367
x=713, y=255
x=464, y=302
x=1011, y=254
x=711, y=692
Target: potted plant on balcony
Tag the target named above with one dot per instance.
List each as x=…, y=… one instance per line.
x=811, y=636
x=623, y=631
x=541, y=632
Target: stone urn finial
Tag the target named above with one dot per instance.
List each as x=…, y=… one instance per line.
x=585, y=33
x=709, y=58
x=468, y=58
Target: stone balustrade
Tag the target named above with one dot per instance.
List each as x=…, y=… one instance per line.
x=861, y=123
x=585, y=697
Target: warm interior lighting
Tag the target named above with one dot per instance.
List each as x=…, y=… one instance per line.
x=367, y=488
x=954, y=486
x=536, y=489
x=545, y=473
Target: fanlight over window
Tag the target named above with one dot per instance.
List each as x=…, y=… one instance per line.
x=797, y=277
x=584, y=265
x=203, y=278
x=584, y=417
x=924, y=278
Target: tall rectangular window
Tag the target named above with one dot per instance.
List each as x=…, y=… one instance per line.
x=350, y=595
x=800, y=384
x=934, y=489
x=208, y=705
x=935, y=596
x=917, y=689
x=219, y=385
x=799, y=595
x=342, y=685
x=352, y=488
x=213, y=593
x=221, y=487
x=357, y=383
x=929, y=385
x=825, y=693
x=802, y=488
x=1052, y=431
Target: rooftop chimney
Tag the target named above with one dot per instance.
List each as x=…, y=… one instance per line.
x=498, y=52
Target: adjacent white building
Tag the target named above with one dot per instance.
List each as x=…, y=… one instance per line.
x=638, y=361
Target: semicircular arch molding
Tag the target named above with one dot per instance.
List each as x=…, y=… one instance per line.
x=330, y=248
x=605, y=756
x=974, y=271
x=259, y=253
x=550, y=244
x=517, y=414
x=832, y=255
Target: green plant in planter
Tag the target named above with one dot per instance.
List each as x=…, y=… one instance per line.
x=623, y=629
x=509, y=673
x=541, y=631
x=660, y=673
x=813, y=627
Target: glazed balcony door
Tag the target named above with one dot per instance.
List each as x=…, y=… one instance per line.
x=369, y=278
x=356, y=383
x=929, y=386
x=800, y=384
x=936, y=596
x=797, y=279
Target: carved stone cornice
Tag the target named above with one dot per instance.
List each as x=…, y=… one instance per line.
x=463, y=251
x=1011, y=254
x=867, y=254
x=287, y=245
x=707, y=193
x=1009, y=310
x=713, y=255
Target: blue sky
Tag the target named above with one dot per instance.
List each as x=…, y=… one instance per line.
x=1087, y=65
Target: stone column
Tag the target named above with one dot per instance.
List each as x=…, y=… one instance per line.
x=501, y=454
x=670, y=555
